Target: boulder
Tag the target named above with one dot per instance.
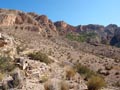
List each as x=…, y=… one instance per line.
x=22, y=62
x=15, y=80
x=18, y=79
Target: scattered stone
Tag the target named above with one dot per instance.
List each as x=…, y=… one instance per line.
x=103, y=72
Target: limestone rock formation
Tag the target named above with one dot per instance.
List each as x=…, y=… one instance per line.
x=7, y=19
x=46, y=24
x=63, y=27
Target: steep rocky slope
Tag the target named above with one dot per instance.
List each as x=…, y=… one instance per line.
x=35, y=55
x=105, y=35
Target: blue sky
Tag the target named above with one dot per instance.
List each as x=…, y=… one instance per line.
x=74, y=12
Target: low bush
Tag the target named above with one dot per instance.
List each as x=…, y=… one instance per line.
x=96, y=83
x=1, y=76
x=83, y=70
x=6, y=65
x=43, y=79
x=70, y=72
x=62, y=85
x=39, y=57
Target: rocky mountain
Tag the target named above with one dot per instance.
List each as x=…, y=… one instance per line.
x=106, y=34
x=38, y=54
x=40, y=23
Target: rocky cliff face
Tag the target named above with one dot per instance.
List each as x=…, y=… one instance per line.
x=46, y=24
x=28, y=21
x=64, y=28
x=7, y=20
x=11, y=17
x=61, y=25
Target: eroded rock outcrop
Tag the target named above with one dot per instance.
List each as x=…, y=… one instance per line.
x=15, y=80
x=64, y=28
x=47, y=24
x=29, y=21
x=7, y=19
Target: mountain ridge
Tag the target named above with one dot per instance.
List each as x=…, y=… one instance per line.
x=41, y=23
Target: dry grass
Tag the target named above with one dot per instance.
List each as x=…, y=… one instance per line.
x=70, y=72
x=44, y=79
x=48, y=86
x=96, y=83
x=1, y=76
x=63, y=86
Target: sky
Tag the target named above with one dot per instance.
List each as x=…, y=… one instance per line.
x=74, y=12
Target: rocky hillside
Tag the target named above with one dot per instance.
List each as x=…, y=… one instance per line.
x=41, y=23
x=37, y=54
x=105, y=35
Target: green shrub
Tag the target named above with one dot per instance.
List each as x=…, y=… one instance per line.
x=96, y=83
x=82, y=37
x=83, y=70
x=75, y=37
x=40, y=57
x=6, y=65
x=20, y=48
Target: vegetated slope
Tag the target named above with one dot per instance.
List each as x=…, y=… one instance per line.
x=44, y=58
x=84, y=33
